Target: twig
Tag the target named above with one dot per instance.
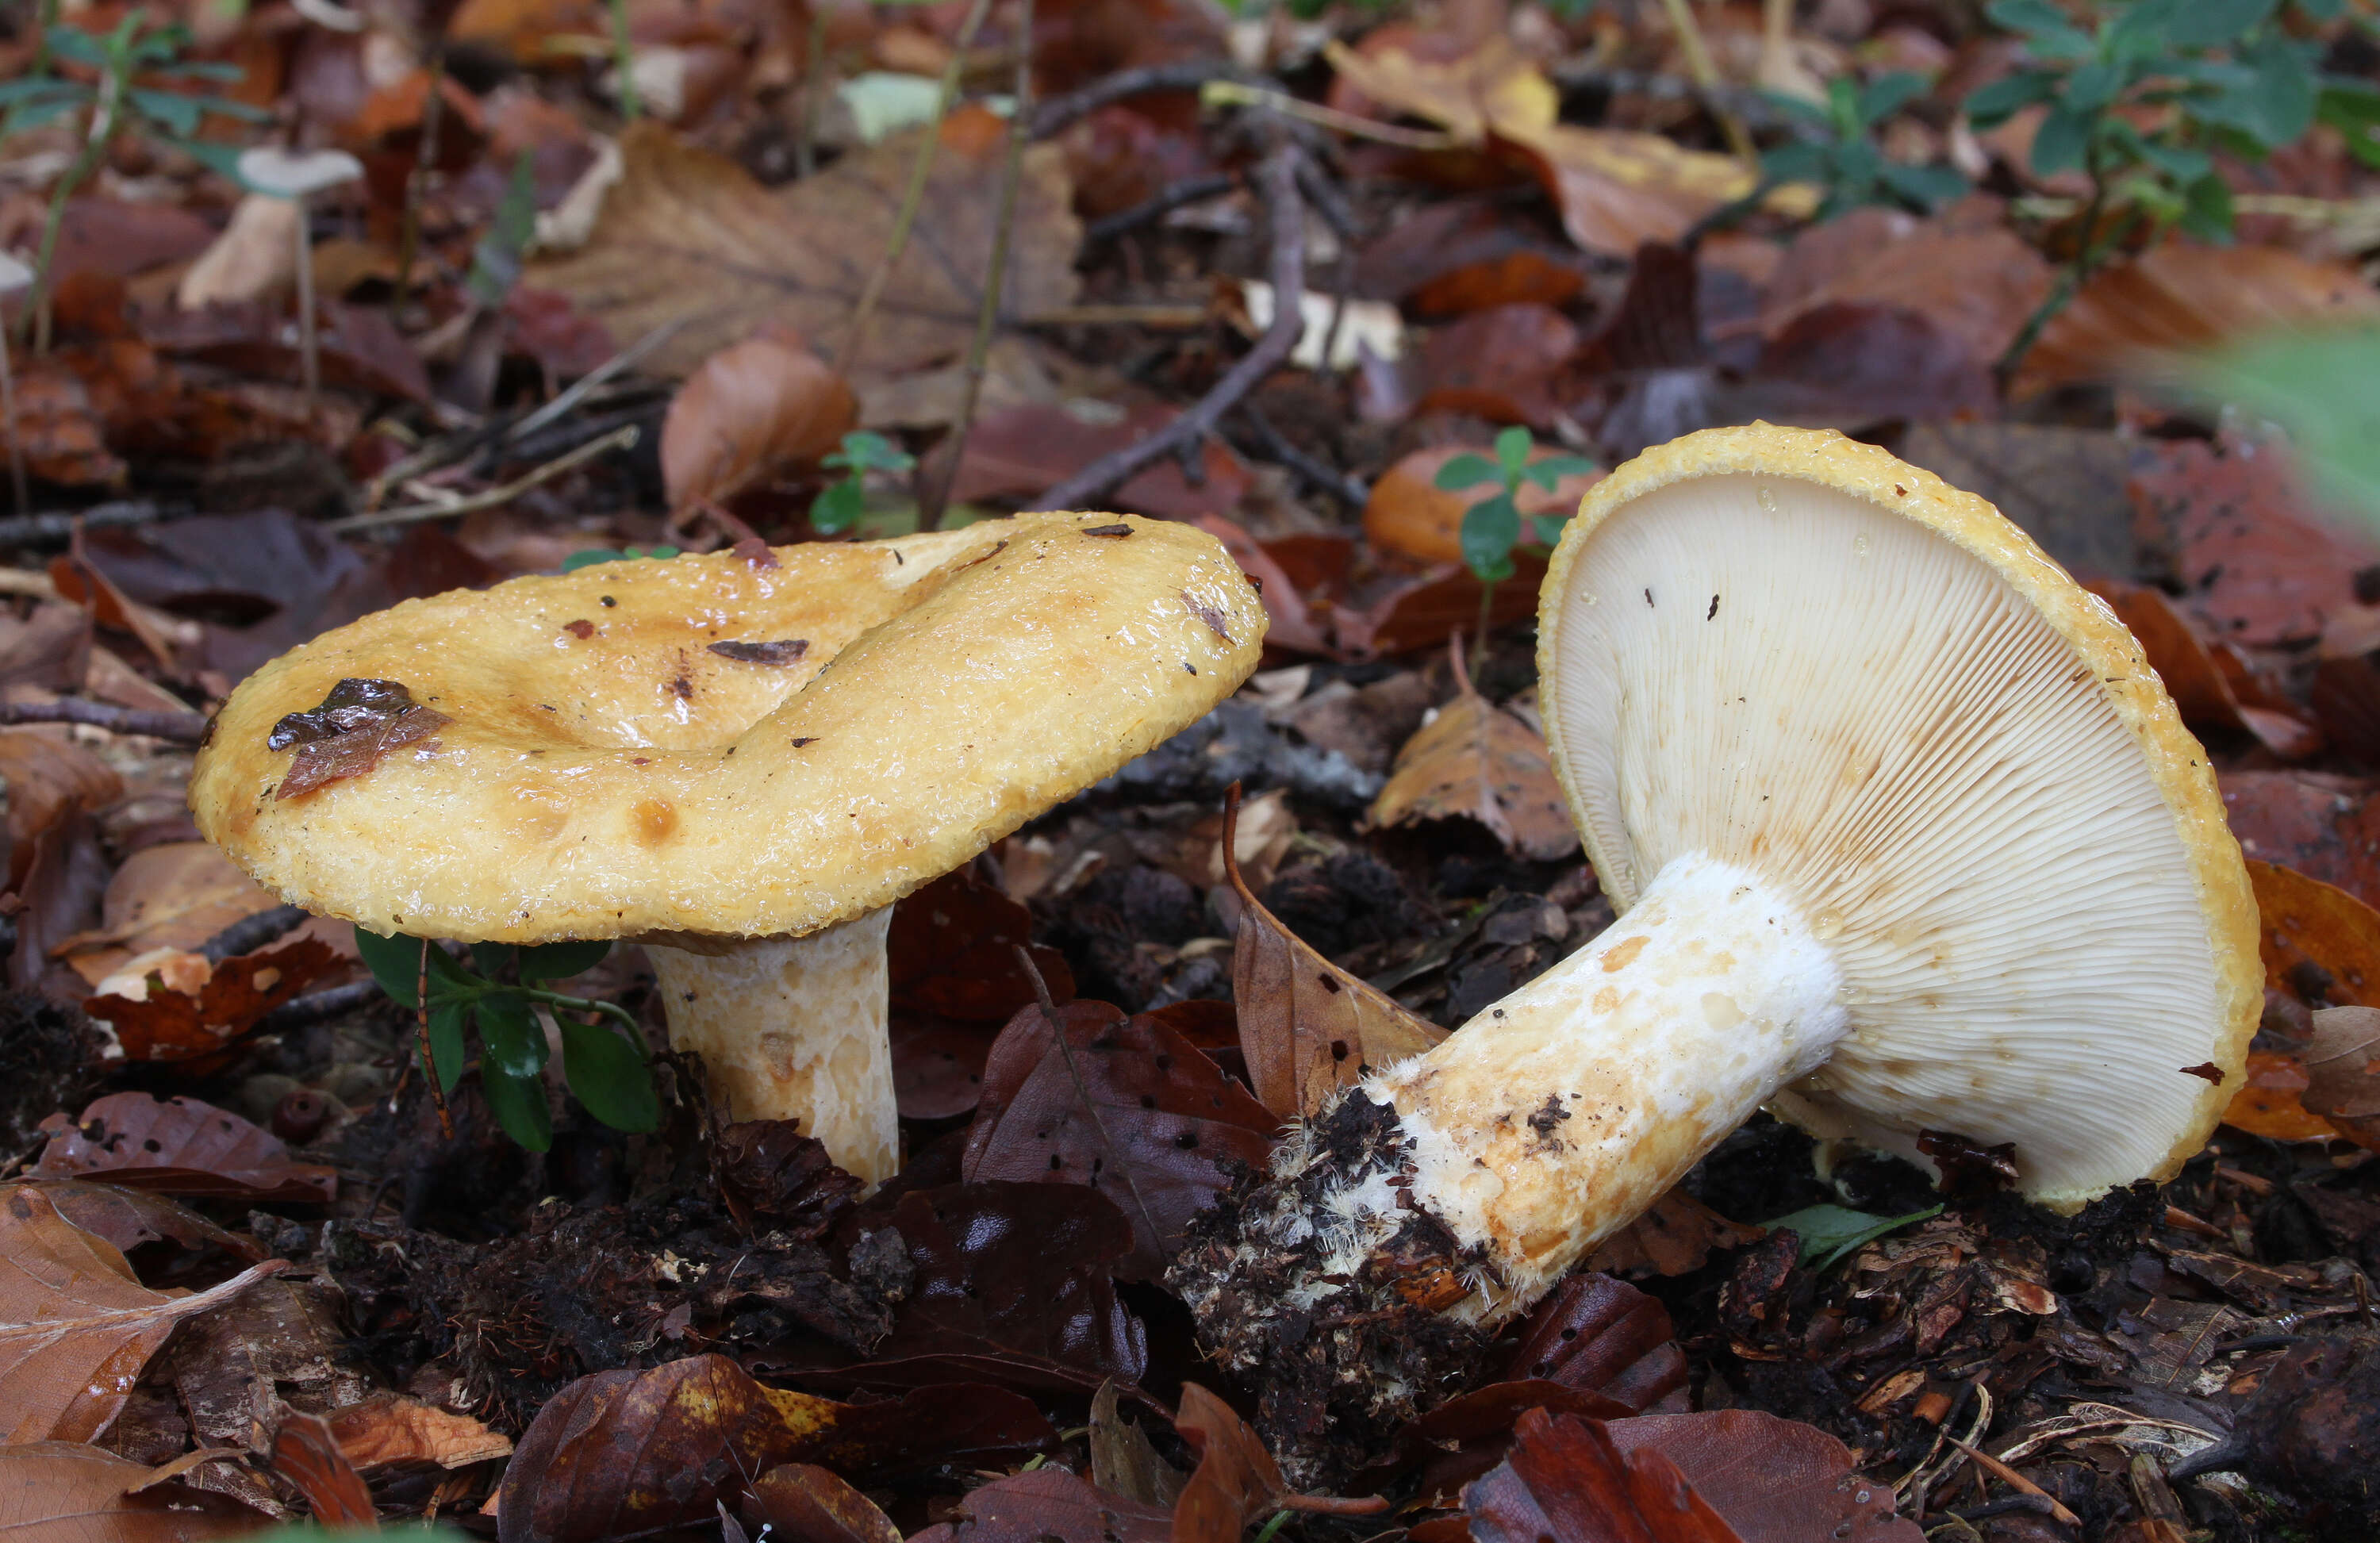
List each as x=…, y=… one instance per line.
x=1278, y=184
x=1347, y=489
x=2001, y=1471
x=913, y=196
x=1335, y=1505
x=182, y=728
x=252, y=932
x=936, y=490
x=320, y=1006
x=56, y=529
x=1164, y=202
x=618, y=439
x=416, y=186
x=1231, y=93
x=578, y=390
x=1056, y=114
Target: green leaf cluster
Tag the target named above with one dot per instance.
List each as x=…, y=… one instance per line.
x=1828, y=1233
x=1839, y=154
x=841, y=503
x=2208, y=76
x=606, y=1070
x=144, y=77
x=1492, y=527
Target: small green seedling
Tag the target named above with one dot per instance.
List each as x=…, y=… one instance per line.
x=591, y=555
x=841, y=503
x=1491, y=527
x=134, y=63
x=607, y=1071
x=1828, y=1233
x=1842, y=157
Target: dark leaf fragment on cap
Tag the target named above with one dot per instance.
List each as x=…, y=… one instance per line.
x=1116, y=531
x=360, y=722
x=1206, y=614
x=785, y=650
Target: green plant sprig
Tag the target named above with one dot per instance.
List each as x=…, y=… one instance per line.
x=1841, y=153
x=1493, y=526
x=608, y=1074
x=841, y=503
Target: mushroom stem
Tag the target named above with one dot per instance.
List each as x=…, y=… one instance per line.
x=1462, y=1183
x=793, y=1028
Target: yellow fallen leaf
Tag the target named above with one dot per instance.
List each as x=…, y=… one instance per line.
x=1477, y=761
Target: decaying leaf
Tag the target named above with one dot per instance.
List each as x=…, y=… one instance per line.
x=358, y=724
x=2306, y=922
x=1676, y=1233
x=627, y=1452
x=131, y=1219
x=1566, y=1481
x=190, y=1008
x=386, y=1431
x=180, y=1146
x=748, y=411
x=1965, y=272
x=805, y=1501
x=1605, y=1336
x=1048, y=1504
x=1477, y=760
x=67, y=1492
x=307, y=1454
x=2140, y=318
x=2211, y=684
x=174, y=894
x=687, y=237
x=2342, y=1064
x=1126, y=1105
x=1236, y=1482
x=76, y=1328
x=1122, y=1460
x=1307, y=1027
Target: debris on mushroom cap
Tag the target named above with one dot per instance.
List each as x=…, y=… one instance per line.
x=606, y=771
x=1798, y=654
x=296, y=173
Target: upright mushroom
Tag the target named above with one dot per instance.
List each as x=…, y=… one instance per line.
x=742, y=759
x=1906, y=837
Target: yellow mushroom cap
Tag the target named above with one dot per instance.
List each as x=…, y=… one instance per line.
x=1798, y=654
x=607, y=770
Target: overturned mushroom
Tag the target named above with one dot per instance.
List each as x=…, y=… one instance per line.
x=742, y=759
x=1907, y=838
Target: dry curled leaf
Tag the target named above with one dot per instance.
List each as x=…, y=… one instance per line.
x=1478, y=761
x=687, y=237
x=386, y=1429
x=307, y=1454
x=2342, y=1067
x=76, y=1328
x=67, y=1492
x=184, y=1017
x=1128, y=1106
x=1307, y=1027
x=1236, y=1482
x=2211, y=682
x=748, y=411
x=180, y=1146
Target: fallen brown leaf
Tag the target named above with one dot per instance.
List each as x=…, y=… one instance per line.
x=130, y=1218
x=307, y=1454
x=180, y=1146
x=1566, y=1482
x=748, y=411
x=1605, y=1336
x=2211, y=684
x=1410, y=516
x=1125, y=1105
x=2342, y=1064
x=1307, y=1027
x=76, y=1328
x=2139, y=318
x=1673, y=1237
x=167, y=1024
x=2303, y=921
x=2271, y=1100
x=66, y=1492
x=387, y=1430
x=1977, y=280
x=1122, y=1460
x=630, y=1452
x=1774, y=1480
x=1477, y=761
x=1236, y=1481
x=61, y=430
x=804, y=1502
x=687, y=237
x=1049, y=1503
x=175, y=895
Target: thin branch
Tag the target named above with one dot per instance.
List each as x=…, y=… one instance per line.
x=57, y=528
x=1056, y=114
x=1165, y=201
x=937, y=489
x=618, y=439
x=1278, y=184
x=182, y=728
x=1346, y=488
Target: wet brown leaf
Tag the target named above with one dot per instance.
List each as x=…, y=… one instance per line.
x=2271, y=1100
x=168, y=1024
x=1505, y=364
x=74, y=1326
x=358, y=724
x=1605, y=1336
x=749, y=411
x=1565, y=1481
x=805, y=1503
x=2212, y=685
x=1674, y=1236
x=1122, y=1461
x=2247, y=546
x=66, y=1492
x=2304, y=922
x=2137, y=318
x=1975, y=278
x=2325, y=827
x=775, y=1179
x=1128, y=1106
x=686, y=235
x=1774, y=1480
x=1410, y=516
x=951, y=952
x=133, y=1218
x=180, y=1146
x=307, y=1454
x=386, y=1431
x=1307, y=1027
x=1236, y=1482
x=627, y=1452
x=2342, y=1064
x=1477, y=761
x=1049, y=1503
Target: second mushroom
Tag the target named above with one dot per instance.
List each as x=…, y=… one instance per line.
x=742, y=759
